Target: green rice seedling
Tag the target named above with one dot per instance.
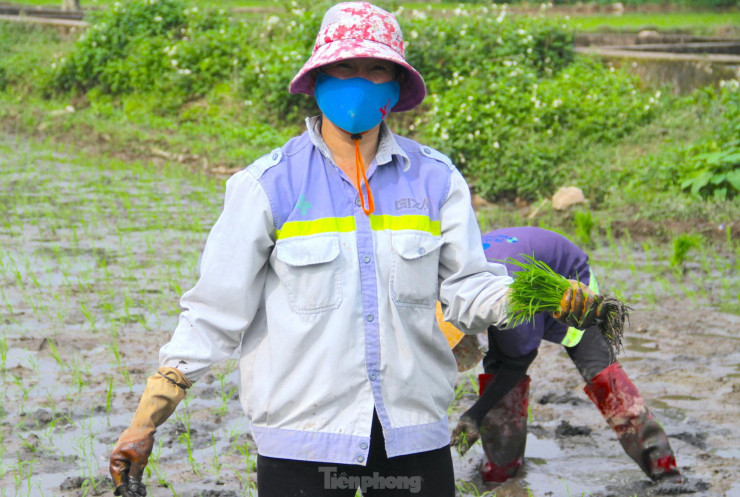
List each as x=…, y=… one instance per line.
x=226, y=390
x=584, y=222
x=468, y=488
x=3, y=352
x=473, y=382
x=250, y=461
x=154, y=468
x=109, y=393
x=682, y=244
x=80, y=373
x=186, y=439
x=89, y=316
x=25, y=391
x=216, y=464
x=113, y=347
x=24, y=473
x=537, y=288
x=55, y=352
x=459, y=392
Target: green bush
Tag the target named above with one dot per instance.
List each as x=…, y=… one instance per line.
x=25, y=66
x=472, y=42
x=505, y=98
x=283, y=46
x=511, y=131
x=155, y=46
x=714, y=164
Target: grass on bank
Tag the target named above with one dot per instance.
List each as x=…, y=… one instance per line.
x=707, y=23
x=220, y=132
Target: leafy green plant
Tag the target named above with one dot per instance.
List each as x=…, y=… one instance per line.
x=507, y=121
x=161, y=47
x=714, y=164
x=716, y=174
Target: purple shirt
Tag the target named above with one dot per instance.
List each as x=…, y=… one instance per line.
x=562, y=255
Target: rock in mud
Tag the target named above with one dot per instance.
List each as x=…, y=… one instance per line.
x=672, y=488
x=698, y=440
x=566, y=429
x=566, y=398
x=100, y=484
x=43, y=417
x=566, y=197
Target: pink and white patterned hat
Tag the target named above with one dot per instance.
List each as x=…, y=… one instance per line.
x=355, y=30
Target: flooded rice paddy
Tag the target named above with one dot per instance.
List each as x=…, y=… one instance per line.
x=95, y=256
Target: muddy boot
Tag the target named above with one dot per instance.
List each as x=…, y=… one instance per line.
x=642, y=438
x=504, y=432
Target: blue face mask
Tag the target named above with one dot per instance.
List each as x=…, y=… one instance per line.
x=355, y=104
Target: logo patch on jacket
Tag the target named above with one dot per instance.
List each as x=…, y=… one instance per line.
x=303, y=205
x=410, y=203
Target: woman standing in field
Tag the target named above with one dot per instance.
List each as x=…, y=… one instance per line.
x=324, y=269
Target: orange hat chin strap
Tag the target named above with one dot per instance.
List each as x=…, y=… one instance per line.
x=360, y=169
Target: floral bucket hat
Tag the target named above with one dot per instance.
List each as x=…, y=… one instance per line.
x=356, y=30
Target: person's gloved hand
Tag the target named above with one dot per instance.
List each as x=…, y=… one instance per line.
x=465, y=434
x=163, y=392
x=580, y=307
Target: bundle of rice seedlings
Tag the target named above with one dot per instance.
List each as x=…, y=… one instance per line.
x=537, y=288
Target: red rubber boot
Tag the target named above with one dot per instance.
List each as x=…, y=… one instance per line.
x=640, y=434
x=503, y=432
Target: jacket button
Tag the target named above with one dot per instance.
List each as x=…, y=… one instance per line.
x=421, y=250
x=360, y=458
x=363, y=445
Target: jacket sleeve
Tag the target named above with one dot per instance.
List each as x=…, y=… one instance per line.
x=225, y=300
x=472, y=290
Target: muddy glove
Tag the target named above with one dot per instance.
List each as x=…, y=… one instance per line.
x=465, y=434
x=580, y=307
x=163, y=392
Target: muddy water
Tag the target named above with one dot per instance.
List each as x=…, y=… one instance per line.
x=95, y=256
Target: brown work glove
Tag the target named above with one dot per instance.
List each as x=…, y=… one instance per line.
x=580, y=307
x=163, y=392
x=465, y=434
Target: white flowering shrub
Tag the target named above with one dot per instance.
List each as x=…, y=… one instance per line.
x=282, y=46
x=507, y=100
x=508, y=103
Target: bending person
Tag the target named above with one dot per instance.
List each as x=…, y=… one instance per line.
x=499, y=417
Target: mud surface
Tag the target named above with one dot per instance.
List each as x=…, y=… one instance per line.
x=95, y=256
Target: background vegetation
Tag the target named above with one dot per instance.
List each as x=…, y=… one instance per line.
x=508, y=99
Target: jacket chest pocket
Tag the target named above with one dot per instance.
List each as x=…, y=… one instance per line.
x=414, y=274
x=309, y=268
